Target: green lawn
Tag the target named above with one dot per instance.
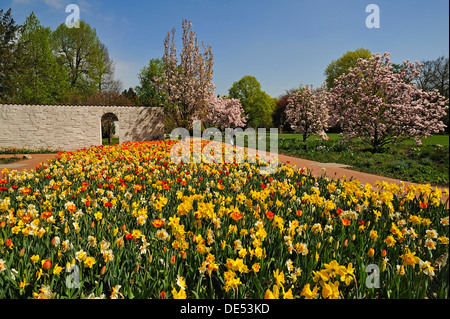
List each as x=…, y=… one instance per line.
x=114, y=140
x=10, y=160
x=432, y=140
x=428, y=163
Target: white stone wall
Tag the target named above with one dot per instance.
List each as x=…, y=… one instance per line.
x=74, y=127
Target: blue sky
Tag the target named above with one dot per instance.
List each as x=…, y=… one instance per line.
x=283, y=43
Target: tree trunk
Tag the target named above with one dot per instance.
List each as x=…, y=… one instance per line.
x=109, y=133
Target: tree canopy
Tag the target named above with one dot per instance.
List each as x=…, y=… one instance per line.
x=149, y=90
x=377, y=105
x=41, y=66
x=257, y=104
x=343, y=64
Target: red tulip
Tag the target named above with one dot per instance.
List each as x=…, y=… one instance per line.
x=270, y=215
x=129, y=236
x=423, y=205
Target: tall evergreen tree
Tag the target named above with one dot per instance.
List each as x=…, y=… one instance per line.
x=9, y=31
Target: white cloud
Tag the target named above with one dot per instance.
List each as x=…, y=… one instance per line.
x=57, y=4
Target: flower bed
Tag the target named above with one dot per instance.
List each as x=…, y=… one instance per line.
x=124, y=221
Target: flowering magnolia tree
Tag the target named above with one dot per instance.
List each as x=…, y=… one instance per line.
x=307, y=111
x=380, y=106
x=186, y=85
x=224, y=112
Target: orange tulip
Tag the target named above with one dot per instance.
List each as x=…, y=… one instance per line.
x=46, y=265
x=158, y=223
x=236, y=215
x=8, y=243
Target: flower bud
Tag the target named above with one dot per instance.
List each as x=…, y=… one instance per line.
x=46, y=265
x=136, y=268
x=336, y=246
x=383, y=253
x=8, y=243
x=103, y=270
x=93, y=224
x=371, y=252
x=345, y=243
x=172, y=260
x=22, y=252
x=150, y=259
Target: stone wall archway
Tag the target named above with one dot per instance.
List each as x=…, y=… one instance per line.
x=69, y=128
x=109, y=124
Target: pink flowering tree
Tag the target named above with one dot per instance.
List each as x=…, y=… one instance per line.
x=307, y=111
x=380, y=106
x=224, y=112
x=186, y=84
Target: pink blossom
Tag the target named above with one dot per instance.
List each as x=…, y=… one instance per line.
x=224, y=112
x=381, y=107
x=307, y=112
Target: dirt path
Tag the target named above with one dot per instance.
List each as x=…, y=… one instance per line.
x=331, y=170
x=28, y=164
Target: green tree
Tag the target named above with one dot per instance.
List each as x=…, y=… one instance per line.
x=9, y=31
x=257, y=104
x=41, y=79
x=103, y=70
x=342, y=65
x=131, y=96
x=84, y=57
x=148, y=90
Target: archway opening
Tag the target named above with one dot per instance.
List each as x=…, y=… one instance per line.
x=110, y=129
